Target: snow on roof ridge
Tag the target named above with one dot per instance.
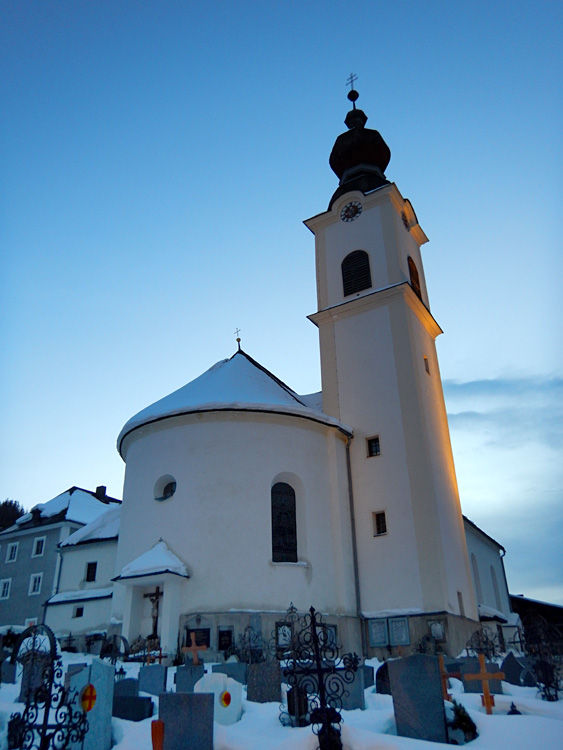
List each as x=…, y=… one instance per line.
x=158, y=559
x=105, y=526
x=239, y=383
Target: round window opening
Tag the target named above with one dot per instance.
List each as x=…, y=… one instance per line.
x=164, y=488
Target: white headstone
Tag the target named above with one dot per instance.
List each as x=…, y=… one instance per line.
x=228, y=696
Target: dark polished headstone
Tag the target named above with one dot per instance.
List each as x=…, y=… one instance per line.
x=132, y=708
x=264, y=682
x=512, y=669
x=187, y=676
x=128, y=686
x=9, y=672
x=235, y=669
x=369, y=675
x=382, y=680
x=188, y=720
x=153, y=679
x=297, y=706
x=418, y=702
x=354, y=696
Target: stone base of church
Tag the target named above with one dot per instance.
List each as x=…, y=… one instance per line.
x=431, y=632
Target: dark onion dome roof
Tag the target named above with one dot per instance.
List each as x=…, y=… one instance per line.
x=360, y=156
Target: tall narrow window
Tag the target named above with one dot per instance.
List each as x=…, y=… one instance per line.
x=284, y=523
x=476, y=579
x=379, y=523
x=496, y=589
x=356, y=274
x=5, y=586
x=91, y=568
x=35, y=583
x=415, y=279
x=374, y=448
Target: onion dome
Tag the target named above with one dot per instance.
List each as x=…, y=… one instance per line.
x=360, y=156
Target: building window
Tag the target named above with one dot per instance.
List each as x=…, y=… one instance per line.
x=38, y=546
x=427, y=365
x=5, y=586
x=476, y=579
x=460, y=604
x=91, y=569
x=379, y=523
x=165, y=487
x=415, y=279
x=284, y=523
x=35, y=584
x=12, y=552
x=496, y=589
x=78, y=612
x=374, y=448
x=356, y=274
x=29, y=621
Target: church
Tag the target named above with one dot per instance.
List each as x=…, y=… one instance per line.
x=253, y=497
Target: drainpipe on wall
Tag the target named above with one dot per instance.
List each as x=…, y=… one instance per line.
x=355, y=547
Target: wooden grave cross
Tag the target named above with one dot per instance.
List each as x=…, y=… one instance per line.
x=193, y=649
x=487, y=699
x=444, y=676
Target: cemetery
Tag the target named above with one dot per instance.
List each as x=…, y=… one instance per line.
x=312, y=697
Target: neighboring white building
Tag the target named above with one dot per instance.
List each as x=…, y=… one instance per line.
x=81, y=604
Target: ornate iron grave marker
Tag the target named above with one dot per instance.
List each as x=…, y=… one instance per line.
x=51, y=719
x=315, y=669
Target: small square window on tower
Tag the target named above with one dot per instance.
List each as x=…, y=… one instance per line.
x=374, y=448
x=379, y=523
x=78, y=612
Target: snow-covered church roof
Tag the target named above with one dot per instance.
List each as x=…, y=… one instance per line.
x=239, y=383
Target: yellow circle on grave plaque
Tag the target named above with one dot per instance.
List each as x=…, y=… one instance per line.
x=88, y=697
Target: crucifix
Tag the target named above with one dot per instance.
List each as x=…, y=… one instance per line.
x=154, y=598
x=487, y=699
x=193, y=649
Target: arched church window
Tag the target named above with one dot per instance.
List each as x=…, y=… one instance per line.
x=356, y=274
x=284, y=523
x=496, y=589
x=415, y=279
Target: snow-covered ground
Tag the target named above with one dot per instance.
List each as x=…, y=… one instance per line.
x=540, y=727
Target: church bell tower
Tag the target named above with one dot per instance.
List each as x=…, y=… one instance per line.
x=380, y=376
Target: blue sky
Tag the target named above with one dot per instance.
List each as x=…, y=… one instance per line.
x=157, y=161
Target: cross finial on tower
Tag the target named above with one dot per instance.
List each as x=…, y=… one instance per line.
x=237, y=331
x=352, y=94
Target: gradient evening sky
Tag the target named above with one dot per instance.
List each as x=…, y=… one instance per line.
x=156, y=162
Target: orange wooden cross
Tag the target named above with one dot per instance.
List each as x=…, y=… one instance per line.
x=487, y=699
x=444, y=676
x=193, y=649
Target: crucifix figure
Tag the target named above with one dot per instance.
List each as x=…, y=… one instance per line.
x=193, y=649
x=483, y=676
x=154, y=598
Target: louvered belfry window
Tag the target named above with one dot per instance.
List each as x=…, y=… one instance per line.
x=284, y=523
x=356, y=274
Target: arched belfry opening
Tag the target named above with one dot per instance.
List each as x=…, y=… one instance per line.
x=415, y=278
x=356, y=273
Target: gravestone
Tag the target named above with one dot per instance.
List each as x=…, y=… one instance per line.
x=471, y=666
x=188, y=720
x=298, y=706
x=97, y=703
x=369, y=675
x=9, y=672
x=128, y=686
x=153, y=679
x=73, y=669
x=132, y=708
x=35, y=665
x=354, y=696
x=528, y=679
x=512, y=669
x=382, y=680
x=418, y=703
x=235, y=669
x=227, y=704
x=264, y=682
x=187, y=676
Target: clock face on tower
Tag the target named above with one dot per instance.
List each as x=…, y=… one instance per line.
x=351, y=211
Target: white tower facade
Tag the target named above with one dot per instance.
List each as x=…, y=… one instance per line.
x=380, y=375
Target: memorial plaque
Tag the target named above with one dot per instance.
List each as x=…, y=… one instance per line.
x=378, y=633
x=399, y=631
